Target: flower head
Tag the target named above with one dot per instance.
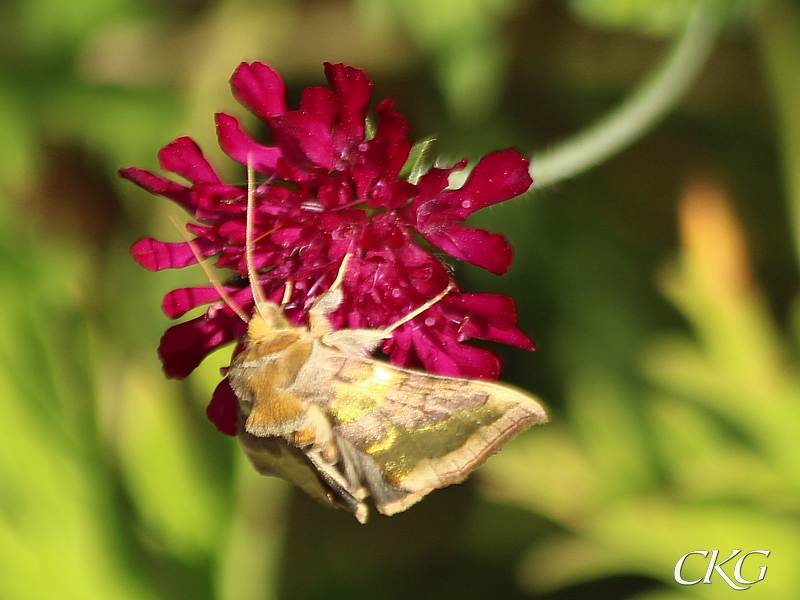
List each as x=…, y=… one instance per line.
x=329, y=188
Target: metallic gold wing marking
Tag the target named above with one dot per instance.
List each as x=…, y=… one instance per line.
x=423, y=431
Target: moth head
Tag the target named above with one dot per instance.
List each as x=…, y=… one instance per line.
x=267, y=318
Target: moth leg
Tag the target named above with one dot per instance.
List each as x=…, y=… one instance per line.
x=327, y=302
x=287, y=293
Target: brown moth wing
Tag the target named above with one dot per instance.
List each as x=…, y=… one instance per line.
x=422, y=431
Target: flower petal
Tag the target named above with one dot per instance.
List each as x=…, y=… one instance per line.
x=156, y=184
x=352, y=89
x=496, y=308
x=476, y=246
x=260, y=89
x=242, y=148
x=154, y=255
x=383, y=158
x=444, y=356
x=491, y=317
x=222, y=410
x=177, y=303
x=310, y=127
x=497, y=176
x=184, y=157
x=210, y=199
x=185, y=345
x=390, y=141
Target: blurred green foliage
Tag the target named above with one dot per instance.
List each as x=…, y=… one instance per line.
x=643, y=16
x=661, y=288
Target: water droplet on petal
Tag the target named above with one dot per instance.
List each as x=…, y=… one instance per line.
x=312, y=206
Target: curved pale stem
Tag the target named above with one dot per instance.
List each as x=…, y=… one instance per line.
x=642, y=110
x=778, y=29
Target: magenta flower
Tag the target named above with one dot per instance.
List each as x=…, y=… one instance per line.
x=330, y=188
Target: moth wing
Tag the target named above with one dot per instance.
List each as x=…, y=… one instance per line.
x=421, y=431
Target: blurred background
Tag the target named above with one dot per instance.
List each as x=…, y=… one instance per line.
x=661, y=287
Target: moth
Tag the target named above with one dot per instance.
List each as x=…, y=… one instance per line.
x=315, y=408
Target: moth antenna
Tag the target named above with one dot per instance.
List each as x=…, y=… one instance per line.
x=419, y=309
x=258, y=293
x=209, y=275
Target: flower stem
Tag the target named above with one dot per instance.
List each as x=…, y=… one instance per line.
x=642, y=110
x=778, y=34
x=249, y=567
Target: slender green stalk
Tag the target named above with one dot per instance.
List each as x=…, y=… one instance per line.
x=250, y=561
x=642, y=110
x=778, y=33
